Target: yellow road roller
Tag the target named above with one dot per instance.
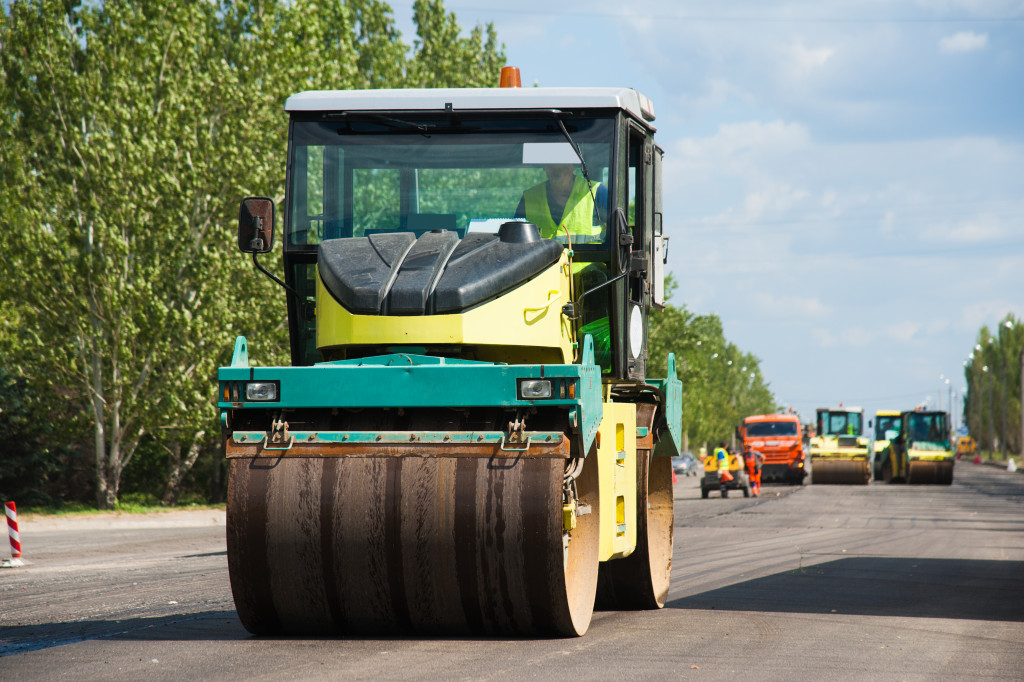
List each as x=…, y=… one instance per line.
x=839, y=450
x=922, y=451
x=467, y=440
x=886, y=427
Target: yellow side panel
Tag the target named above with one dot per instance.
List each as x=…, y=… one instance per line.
x=528, y=318
x=931, y=455
x=617, y=466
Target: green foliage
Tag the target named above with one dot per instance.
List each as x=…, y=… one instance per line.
x=446, y=59
x=128, y=133
x=992, y=408
x=32, y=458
x=721, y=384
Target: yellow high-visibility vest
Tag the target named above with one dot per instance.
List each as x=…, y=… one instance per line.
x=577, y=216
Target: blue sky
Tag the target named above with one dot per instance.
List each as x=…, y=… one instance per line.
x=845, y=180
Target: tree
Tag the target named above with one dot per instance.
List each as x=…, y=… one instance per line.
x=129, y=132
x=721, y=384
x=992, y=409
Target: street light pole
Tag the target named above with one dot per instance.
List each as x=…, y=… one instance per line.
x=949, y=387
x=983, y=432
x=1006, y=370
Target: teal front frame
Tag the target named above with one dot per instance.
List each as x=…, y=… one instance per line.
x=412, y=381
x=672, y=388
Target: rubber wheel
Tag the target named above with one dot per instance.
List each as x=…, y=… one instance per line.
x=704, y=493
x=746, y=492
x=641, y=580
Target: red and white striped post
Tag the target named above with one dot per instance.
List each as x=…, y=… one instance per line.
x=12, y=531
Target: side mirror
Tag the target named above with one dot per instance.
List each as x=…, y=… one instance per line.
x=256, y=225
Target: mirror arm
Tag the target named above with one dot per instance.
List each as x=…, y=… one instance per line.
x=307, y=314
x=269, y=274
x=256, y=244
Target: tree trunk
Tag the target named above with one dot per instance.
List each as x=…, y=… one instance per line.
x=179, y=467
x=99, y=432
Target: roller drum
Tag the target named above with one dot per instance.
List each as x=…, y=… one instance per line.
x=429, y=545
x=930, y=472
x=840, y=471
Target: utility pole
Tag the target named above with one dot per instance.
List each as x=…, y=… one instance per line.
x=952, y=412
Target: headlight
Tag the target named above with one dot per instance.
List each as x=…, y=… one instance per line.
x=265, y=391
x=533, y=389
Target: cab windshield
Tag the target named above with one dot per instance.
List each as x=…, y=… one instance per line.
x=770, y=429
x=356, y=175
x=928, y=428
x=839, y=423
x=887, y=428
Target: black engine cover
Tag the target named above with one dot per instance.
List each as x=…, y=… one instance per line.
x=400, y=274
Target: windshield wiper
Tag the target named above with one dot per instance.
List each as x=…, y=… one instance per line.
x=386, y=121
x=575, y=148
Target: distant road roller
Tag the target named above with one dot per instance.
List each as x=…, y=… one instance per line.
x=922, y=451
x=466, y=441
x=839, y=450
x=887, y=426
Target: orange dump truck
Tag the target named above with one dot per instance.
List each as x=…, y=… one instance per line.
x=779, y=438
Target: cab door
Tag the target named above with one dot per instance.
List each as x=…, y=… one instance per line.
x=641, y=182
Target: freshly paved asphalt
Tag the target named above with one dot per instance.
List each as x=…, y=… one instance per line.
x=814, y=583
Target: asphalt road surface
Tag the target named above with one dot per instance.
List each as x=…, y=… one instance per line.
x=815, y=583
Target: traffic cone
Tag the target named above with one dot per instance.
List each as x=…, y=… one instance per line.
x=12, y=531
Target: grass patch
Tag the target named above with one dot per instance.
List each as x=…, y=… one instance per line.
x=132, y=503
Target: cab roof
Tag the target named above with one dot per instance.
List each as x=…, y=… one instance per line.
x=476, y=99
x=772, y=418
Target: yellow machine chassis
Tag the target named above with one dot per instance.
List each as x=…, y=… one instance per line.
x=522, y=326
x=616, y=454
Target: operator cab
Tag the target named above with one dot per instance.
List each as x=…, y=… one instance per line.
x=439, y=176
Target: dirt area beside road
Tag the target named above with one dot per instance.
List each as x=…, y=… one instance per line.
x=172, y=518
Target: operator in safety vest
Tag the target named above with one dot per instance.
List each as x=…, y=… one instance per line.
x=579, y=208
x=722, y=457
x=566, y=202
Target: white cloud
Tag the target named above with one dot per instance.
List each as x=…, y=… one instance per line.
x=803, y=306
x=964, y=41
x=988, y=312
x=806, y=60
x=774, y=199
x=976, y=229
x=888, y=222
x=903, y=331
x=852, y=337
x=733, y=139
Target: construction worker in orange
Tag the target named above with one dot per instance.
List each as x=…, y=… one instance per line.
x=754, y=460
